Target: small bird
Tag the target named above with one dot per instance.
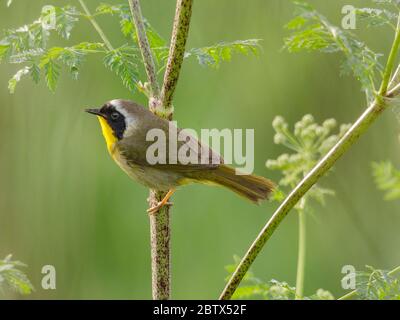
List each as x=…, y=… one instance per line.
x=125, y=125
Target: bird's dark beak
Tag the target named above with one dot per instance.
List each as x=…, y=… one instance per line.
x=94, y=111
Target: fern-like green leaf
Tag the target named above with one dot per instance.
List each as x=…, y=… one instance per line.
x=35, y=36
x=213, y=56
x=35, y=72
x=4, y=49
x=387, y=179
x=12, y=277
x=121, y=10
x=393, y=4
x=156, y=42
x=66, y=19
x=12, y=83
x=155, y=39
x=26, y=56
x=256, y=289
x=73, y=57
x=105, y=8
x=51, y=72
x=375, y=284
x=311, y=31
x=123, y=61
x=373, y=17
x=51, y=60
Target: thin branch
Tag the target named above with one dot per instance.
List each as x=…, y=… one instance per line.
x=160, y=235
x=96, y=26
x=160, y=222
x=176, y=51
x=391, y=61
x=301, y=259
x=394, y=92
x=395, y=76
x=362, y=124
x=353, y=293
x=145, y=49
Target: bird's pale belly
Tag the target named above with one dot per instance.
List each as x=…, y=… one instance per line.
x=153, y=178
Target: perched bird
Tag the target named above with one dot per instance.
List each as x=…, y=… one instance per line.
x=125, y=125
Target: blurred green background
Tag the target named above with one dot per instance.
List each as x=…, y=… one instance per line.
x=64, y=202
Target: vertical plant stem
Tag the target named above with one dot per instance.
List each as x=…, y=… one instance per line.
x=96, y=26
x=301, y=259
x=160, y=221
x=145, y=50
x=176, y=52
x=391, y=61
x=160, y=228
x=160, y=235
x=160, y=232
x=362, y=124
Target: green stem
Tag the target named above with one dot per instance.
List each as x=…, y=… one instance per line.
x=352, y=135
x=176, y=54
x=301, y=259
x=146, y=52
x=96, y=26
x=362, y=124
x=353, y=293
x=160, y=227
x=391, y=61
x=160, y=231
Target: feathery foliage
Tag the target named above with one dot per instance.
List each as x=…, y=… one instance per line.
x=374, y=17
x=257, y=289
x=223, y=51
x=12, y=277
x=387, y=179
x=376, y=284
x=385, y=15
x=312, y=31
x=122, y=62
x=27, y=45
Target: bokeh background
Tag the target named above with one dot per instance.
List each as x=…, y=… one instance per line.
x=64, y=202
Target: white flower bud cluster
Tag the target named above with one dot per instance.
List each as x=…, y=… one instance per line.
x=309, y=141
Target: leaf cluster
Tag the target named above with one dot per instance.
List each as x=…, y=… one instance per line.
x=376, y=284
x=309, y=142
x=12, y=277
x=387, y=179
x=256, y=289
x=211, y=56
x=223, y=51
x=27, y=45
x=312, y=31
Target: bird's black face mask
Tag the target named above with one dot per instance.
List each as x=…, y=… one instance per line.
x=114, y=118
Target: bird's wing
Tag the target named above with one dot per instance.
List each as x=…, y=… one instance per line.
x=186, y=155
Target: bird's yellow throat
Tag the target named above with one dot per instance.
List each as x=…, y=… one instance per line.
x=108, y=134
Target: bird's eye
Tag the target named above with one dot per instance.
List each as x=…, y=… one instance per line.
x=114, y=116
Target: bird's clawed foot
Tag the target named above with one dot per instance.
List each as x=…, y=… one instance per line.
x=157, y=207
x=162, y=203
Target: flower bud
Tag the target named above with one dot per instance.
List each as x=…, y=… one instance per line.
x=307, y=119
x=271, y=164
x=279, y=138
x=279, y=123
x=329, y=124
